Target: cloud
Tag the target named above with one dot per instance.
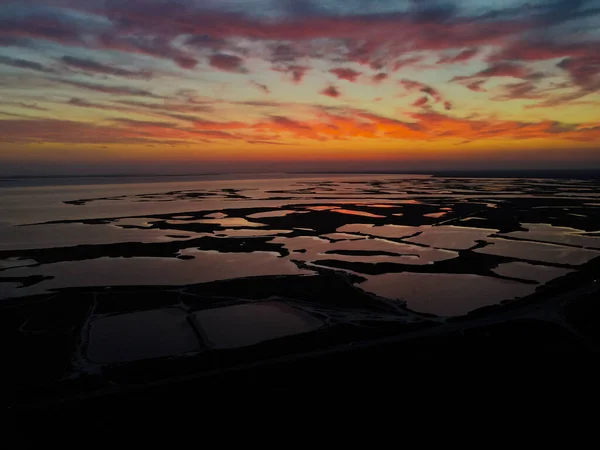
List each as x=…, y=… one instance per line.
x=502, y=69
x=297, y=72
x=113, y=90
x=580, y=60
x=422, y=101
x=227, y=63
x=49, y=24
x=215, y=134
x=475, y=86
x=379, y=77
x=81, y=103
x=170, y=106
x=262, y=87
x=562, y=99
x=520, y=91
x=88, y=65
x=284, y=53
x=447, y=105
x=346, y=74
x=505, y=70
x=463, y=56
x=415, y=86
x=331, y=91
x=584, y=71
x=293, y=37
x=143, y=123
x=528, y=50
x=144, y=44
x=265, y=142
x=327, y=124
x=268, y=104
x=406, y=62
x=369, y=33
x=25, y=64
x=156, y=27
x=203, y=124
x=69, y=132
x=23, y=105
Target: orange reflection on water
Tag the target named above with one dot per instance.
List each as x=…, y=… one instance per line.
x=357, y=213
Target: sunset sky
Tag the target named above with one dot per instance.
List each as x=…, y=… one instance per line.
x=192, y=85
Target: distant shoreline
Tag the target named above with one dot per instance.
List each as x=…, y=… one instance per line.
x=542, y=173
x=527, y=173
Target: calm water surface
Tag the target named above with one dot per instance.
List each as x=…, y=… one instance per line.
x=442, y=245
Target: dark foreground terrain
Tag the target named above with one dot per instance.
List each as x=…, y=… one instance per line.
x=306, y=306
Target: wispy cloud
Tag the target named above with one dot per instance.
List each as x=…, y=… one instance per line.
x=262, y=87
x=113, y=90
x=23, y=105
x=25, y=64
x=88, y=65
x=416, y=86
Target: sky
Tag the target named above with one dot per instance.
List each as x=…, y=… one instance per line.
x=181, y=86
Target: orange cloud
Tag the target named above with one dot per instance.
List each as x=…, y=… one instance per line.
x=327, y=124
x=421, y=101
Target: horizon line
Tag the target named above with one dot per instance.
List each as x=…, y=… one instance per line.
x=312, y=172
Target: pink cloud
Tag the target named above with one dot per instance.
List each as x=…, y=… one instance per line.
x=377, y=78
x=346, y=74
x=584, y=71
x=415, y=86
x=422, y=101
x=406, y=62
x=475, y=86
x=331, y=91
x=463, y=56
x=297, y=72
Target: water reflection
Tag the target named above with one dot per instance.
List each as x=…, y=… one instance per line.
x=206, y=266
x=405, y=237
x=560, y=235
x=539, y=273
x=353, y=212
x=391, y=231
x=277, y=213
x=244, y=325
x=435, y=215
x=234, y=222
x=444, y=294
x=141, y=335
x=451, y=237
x=533, y=251
x=362, y=250
x=67, y=235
